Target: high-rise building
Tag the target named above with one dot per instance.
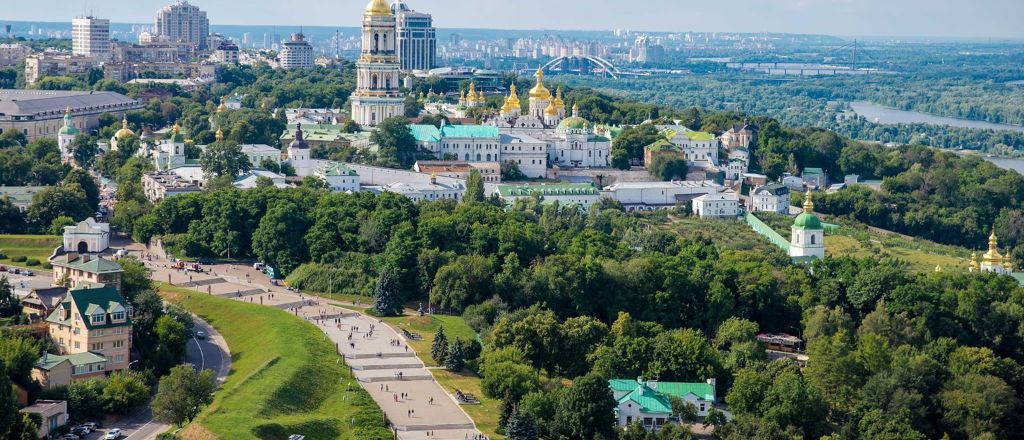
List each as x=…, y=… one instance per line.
x=377, y=96
x=90, y=37
x=297, y=53
x=417, y=39
x=183, y=22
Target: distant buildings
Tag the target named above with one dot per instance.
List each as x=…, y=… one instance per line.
x=583, y=195
x=40, y=113
x=417, y=39
x=258, y=153
x=770, y=198
x=377, y=96
x=13, y=54
x=184, y=22
x=85, y=270
x=90, y=37
x=642, y=196
x=297, y=53
x=163, y=184
x=992, y=261
x=431, y=191
x=226, y=53
x=490, y=172
x=56, y=64
x=339, y=177
x=20, y=196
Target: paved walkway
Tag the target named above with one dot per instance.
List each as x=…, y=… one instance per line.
x=417, y=406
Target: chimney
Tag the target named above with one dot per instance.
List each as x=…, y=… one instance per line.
x=72, y=255
x=85, y=258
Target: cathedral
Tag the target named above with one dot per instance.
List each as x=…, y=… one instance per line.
x=991, y=261
x=377, y=95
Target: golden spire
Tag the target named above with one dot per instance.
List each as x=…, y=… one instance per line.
x=539, y=91
x=575, y=110
x=480, y=97
x=223, y=107
x=220, y=135
x=558, y=98
x=176, y=128
x=124, y=121
x=67, y=111
x=993, y=256
x=974, y=262
x=551, y=110
x=809, y=202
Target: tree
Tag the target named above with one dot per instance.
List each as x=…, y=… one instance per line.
x=223, y=158
x=135, y=277
x=510, y=171
x=683, y=409
x=87, y=183
x=587, y=410
x=58, y=224
x=455, y=360
x=19, y=353
x=171, y=339
x=474, y=188
x=8, y=405
x=979, y=404
x=83, y=150
x=397, y=146
x=274, y=241
x=439, y=347
x=386, y=298
x=521, y=426
x=85, y=398
x=56, y=201
x=182, y=394
x=270, y=165
x=124, y=390
x=9, y=304
x=12, y=220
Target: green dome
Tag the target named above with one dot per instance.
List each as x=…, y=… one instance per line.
x=807, y=221
x=574, y=123
x=68, y=129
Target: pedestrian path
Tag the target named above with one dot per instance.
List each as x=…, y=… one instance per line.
x=378, y=356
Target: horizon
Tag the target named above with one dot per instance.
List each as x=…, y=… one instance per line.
x=842, y=18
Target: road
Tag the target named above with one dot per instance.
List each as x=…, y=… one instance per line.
x=210, y=353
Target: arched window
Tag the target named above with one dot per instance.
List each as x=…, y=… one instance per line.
x=812, y=238
x=467, y=156
x=376, y=42
x=488, y=157
x=478, y=157
x=373, y=81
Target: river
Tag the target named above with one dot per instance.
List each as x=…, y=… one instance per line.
x=885, y=115
x=1008, y=163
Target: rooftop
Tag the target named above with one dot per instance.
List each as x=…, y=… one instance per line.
x=336, y=169
x=88, y=301
x=694, y=184
x=54, y=102
x=48, y=361
x=430, y=133
x=21, y=196
x=86, y=263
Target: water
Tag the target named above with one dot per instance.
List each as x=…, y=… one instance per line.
x=885, y=115
x=1008, y=163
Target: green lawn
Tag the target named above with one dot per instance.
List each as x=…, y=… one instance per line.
x=485, y=415
x=285, y=377
x=31, y=246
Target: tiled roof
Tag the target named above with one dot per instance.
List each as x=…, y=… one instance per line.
x=648, y=400
x=88, y=301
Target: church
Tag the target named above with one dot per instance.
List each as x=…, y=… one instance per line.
x=992, y=261
x=807, y=238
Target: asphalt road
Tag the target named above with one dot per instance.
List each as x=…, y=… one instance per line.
x=210, y=353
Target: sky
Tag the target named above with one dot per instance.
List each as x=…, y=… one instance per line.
x=998, y=19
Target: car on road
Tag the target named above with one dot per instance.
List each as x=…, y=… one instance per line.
x=29, y=273
x=200, y=334
x=81, y=431
x=113, y=434
x=259, y=266
x=91, y=425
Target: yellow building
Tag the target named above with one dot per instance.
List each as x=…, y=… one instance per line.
x=86, y=271
x=94, y=321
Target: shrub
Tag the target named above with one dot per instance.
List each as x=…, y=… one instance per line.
x=350, y=276
x=47, y=266
x=19, y=258
x=32, y=262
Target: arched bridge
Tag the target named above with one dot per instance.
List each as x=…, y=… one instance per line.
x=582, y=65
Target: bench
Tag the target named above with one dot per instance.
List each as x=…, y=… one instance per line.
x=411, y=335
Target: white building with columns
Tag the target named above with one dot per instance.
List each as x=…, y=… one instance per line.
x=377, y=96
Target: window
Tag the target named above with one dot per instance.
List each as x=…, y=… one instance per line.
x=97, y=318
x=97, y=346
x=118, y=344
x=117, y=316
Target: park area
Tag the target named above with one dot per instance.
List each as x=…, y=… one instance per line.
x=285, y=378
x=21, y=249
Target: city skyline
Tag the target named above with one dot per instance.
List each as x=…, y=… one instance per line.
x=905, y=18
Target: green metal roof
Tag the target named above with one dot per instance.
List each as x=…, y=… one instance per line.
x=702, y=390
x=425, y=132
x=48, y=361
x=560, y=189
x=94, y=265
x=813, y=172
x=469, y=131
x=338, y=169
x=700, y=136
x=807, y=221
x=648, y=400
x=573, y=122
x=88, y=301
x=622, y=384
x=661, y=145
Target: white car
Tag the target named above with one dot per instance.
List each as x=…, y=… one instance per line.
x=113, y=434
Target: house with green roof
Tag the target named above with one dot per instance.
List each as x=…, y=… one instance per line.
x=339, y=177
x=583, y=195
x=650, y=402
x=814, y=178
x=699, y=148
x=662, y=147
x=85, y=269
x=470, y=143
x=52, y=370
x=87, y=324
x=326, y=136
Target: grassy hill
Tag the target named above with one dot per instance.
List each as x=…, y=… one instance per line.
x=285, y=378
x=37, y=247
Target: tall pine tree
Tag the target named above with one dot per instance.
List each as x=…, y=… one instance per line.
x=521, y=426
x=439, y=348
x=455, y=360
x=385, y=295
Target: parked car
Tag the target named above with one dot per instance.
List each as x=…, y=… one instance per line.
x=113, y=434
x=258, y=266
x=81, y=431
x=69, y=437
x=29, y=273
x=200, y=334
x=91, y=425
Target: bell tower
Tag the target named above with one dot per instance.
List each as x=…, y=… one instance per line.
x=377, y=96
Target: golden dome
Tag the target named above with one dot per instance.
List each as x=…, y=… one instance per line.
x=220, y=135
x=551, y=110
x=124, y=132
x=223, y=107
x=378, y=7
x=993, y=256
x=513, y=98
x=558, y=98
x=974, y=260
x=539, y=91
x=480, y=97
